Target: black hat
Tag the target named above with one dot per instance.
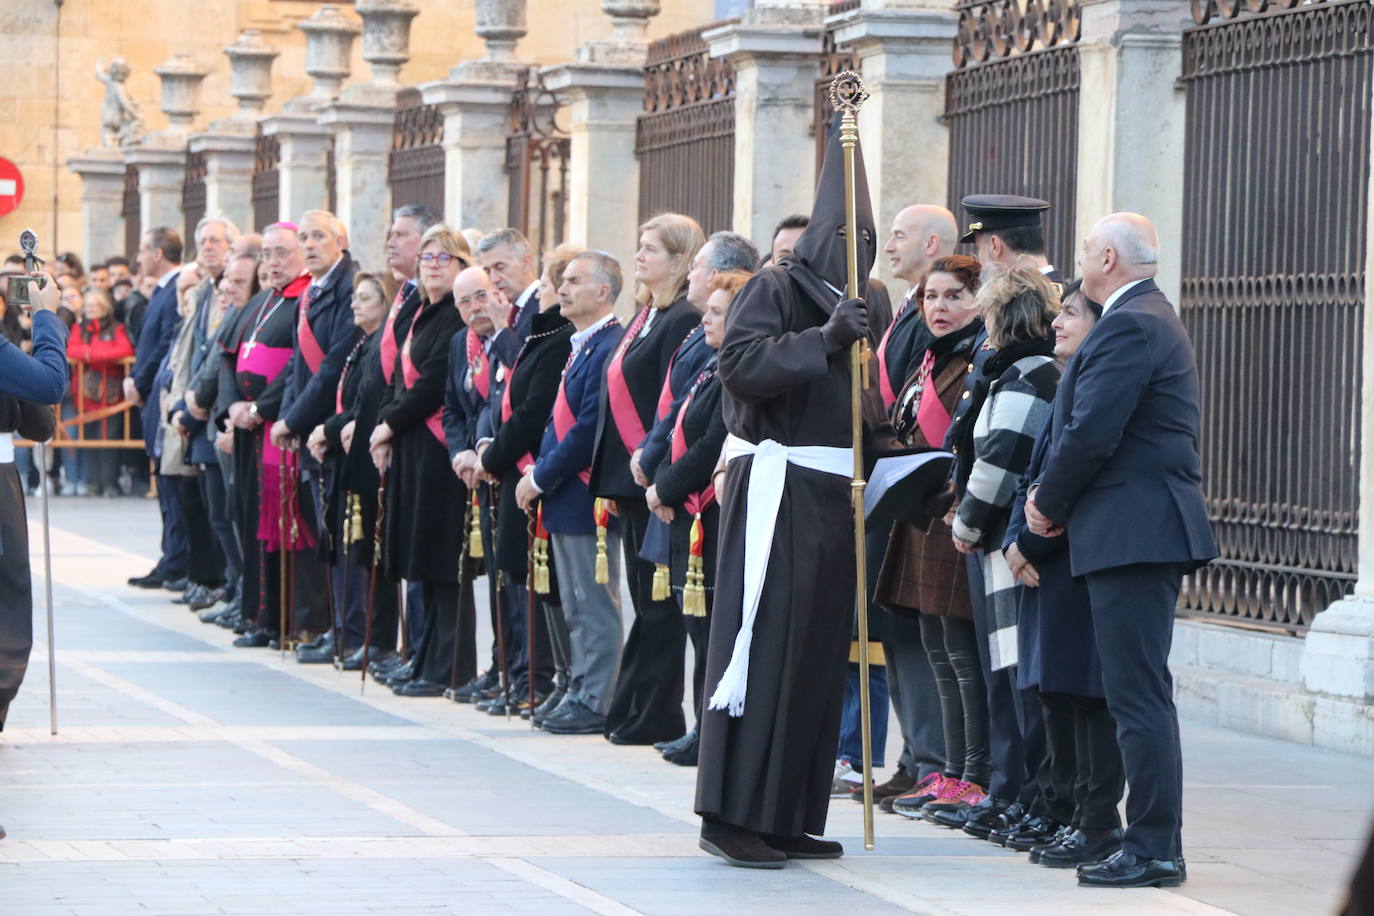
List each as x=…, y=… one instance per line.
x=1000, y=211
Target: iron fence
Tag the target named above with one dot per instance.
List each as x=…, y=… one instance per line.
x=266, y=181
x=1277, y=152
x=536, y=164
x=132, y=213
x=415, y=167
x=834, y=61
x=192, y=199
x=685, y=139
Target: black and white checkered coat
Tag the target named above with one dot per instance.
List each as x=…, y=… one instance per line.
x=1016, y=409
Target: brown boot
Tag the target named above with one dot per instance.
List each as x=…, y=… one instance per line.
x=742, y=848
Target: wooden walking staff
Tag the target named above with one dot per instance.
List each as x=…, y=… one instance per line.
x=847, y=95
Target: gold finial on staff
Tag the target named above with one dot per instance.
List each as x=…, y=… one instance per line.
x=847, y=95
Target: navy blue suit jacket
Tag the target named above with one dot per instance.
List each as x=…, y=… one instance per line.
x=1122, y=469
x=463, y=406
x=160, y=325
x=567, y=501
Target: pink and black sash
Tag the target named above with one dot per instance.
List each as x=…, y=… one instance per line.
x=563, y=417
x=409, y=374
x=696, y=502
x=478, y=365
x=507, y=409
x=623, y=410
x=311, y=350
x=884, y=383
x=387, y=352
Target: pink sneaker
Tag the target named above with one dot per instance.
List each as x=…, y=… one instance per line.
x=910, y=804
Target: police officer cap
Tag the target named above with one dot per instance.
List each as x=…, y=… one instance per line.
x=1000, y=211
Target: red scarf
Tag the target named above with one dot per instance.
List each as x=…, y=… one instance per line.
x=478, y=365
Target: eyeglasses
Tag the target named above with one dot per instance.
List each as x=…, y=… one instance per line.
x=443, y=259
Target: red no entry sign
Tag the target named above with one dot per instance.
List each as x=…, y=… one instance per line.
x=11, y=187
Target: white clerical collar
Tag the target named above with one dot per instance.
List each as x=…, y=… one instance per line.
x=1112, y=299
x=167, y=277
x=525, y=296
x=578, y=339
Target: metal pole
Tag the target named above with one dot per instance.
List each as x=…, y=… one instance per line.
x=47, y=584
x=846, y=96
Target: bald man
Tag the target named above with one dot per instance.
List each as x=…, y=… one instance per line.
x=1123, y=445
x=920, y=234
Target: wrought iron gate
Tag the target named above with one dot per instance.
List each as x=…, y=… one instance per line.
x=536, y=165
x=132, y=213
x=1012, y=110
x=266, y=181
x=192, y=200
x=416, y=163
x=685, y=140
x=833, y=62
x=1273, y=295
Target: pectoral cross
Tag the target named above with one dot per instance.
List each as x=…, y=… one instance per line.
x=248, y=347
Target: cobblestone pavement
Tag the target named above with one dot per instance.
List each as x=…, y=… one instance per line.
x=191, y=777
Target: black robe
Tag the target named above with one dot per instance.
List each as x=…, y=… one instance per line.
x=770, y=770
x=425, y=504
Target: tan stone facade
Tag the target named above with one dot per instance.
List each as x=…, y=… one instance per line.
x=148, y=32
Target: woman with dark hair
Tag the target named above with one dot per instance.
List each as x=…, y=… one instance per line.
x=992, y=444
x=922, y=575
x=647, y=705
x=96, y=346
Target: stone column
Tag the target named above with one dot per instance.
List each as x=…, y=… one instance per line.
x=102, y=203
x=775, y=49
x=604, y=89
x=1131, y=120
x=304, y=169
x=904, y=52
x=475, y=103
x=362, y=120
x=603, y=174
x=228, y=144
x=1338, y=654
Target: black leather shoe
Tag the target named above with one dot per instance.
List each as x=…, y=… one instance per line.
x=327, y=637
x=685, y=756
x=175, y=585
x=1082, y=847
x=418, y=688
x=1032, y=832
x=743, y=849
x=982, y=817
x=194, y=592
x=1059, y=836
x=211, y=597
x=320, y=655
x=677, y=744
x=1125, y=869
x=397, y=675
x=152, y=580
x=254, y=639
x=353, y=661
x=1006, y=827
x=551, y=703
x=578, y=720
x=473, y=689
x=803, y=847
x=380, y=667
x=564, y=707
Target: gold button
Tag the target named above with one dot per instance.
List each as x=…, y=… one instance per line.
x=966, y=394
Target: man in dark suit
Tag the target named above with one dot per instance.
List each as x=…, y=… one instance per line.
x=1123, y=445
x=159, y=255
x=509, y=261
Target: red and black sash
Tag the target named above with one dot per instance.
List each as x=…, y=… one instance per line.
x=622, y=404
x=696, y=502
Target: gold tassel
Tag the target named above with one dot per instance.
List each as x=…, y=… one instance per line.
x=355, y=518
x=475, y=550
x=603, y=565
x=541, y=566
x=660, y=590
x=694, y=593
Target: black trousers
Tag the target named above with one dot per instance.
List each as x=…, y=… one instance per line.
x=517, y=620
x=647, y=704
x=1133, y=621
x=915, y=698
x=16, y=589
x=205, y=563
x=214, y=493
x=1095, y=768
x=450, y=625
x=1016, y=734
x=951, y=645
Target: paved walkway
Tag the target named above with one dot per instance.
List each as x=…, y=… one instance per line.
x=190, y=777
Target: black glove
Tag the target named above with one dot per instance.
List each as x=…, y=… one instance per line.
x=848, y=323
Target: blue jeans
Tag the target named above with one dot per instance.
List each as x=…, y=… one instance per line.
x=851, y=728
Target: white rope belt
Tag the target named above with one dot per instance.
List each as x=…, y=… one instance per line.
x=766, y=479
x=6, y=448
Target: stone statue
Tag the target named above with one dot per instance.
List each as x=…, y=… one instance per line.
x=120, y=121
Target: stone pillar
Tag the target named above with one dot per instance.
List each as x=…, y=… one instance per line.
x=604, y=89
x=161, y=174
x=228, y=176
x=603, y=175
x=1338, y=654
x=475, y=103
x=228, y=144
x=362, y=121
x=904, y=53
x=775, y=49
x=1131, y=120
x=304, y=168
x=102, y=203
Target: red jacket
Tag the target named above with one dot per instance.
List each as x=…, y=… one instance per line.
x=99, y=352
